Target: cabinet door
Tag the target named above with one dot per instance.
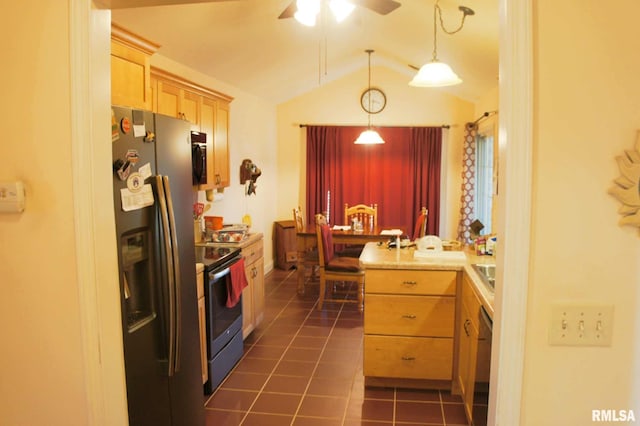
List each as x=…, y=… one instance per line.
x=258, y=291
x=203, y=339
x=248, y=318
x=253, y=299
x=221, y=145
x=190, y=109
x=168, y=98
x=130, y=77
x=470, y=379
x=468, y=346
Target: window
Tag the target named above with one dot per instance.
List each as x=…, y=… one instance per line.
x=484, y=179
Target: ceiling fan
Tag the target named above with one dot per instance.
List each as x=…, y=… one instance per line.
x=382, y=7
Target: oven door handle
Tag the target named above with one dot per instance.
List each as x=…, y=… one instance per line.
x=169, y=319
x=215, y=276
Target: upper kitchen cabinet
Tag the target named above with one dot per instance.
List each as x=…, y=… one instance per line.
x=206, y=110
x=130, y=69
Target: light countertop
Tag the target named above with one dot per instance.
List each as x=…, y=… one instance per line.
x=376, y=256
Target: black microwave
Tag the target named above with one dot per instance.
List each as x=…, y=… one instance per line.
x=199, y=157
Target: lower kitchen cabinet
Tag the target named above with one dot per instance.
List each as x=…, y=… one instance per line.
x=409, y=324
x=468, y=326
x=253, y=294
x=202, y=321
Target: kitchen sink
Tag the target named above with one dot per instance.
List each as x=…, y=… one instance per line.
x=487, y=272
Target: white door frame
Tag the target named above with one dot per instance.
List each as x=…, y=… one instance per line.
x=514, y=211
x=106, y=396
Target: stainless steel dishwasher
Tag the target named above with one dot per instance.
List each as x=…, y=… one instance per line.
x=483, y=369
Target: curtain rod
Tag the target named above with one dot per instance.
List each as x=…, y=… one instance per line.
x=444, y=126
x=482, y=117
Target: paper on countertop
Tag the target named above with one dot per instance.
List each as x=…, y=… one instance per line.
x=341, y=227
x=391, y=232
x=438, y=254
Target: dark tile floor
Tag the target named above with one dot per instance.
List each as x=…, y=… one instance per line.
x=304, y=367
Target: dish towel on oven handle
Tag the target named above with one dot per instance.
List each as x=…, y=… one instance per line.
x=238, y=283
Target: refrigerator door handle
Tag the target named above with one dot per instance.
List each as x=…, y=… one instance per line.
x=166, y=243
x=176, y=270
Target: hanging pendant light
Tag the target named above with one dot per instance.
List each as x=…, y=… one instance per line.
x=436, y=73
x=369, y=136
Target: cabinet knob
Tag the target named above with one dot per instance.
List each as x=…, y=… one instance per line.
x=409, y=316
x=408, y=358
x=409, y=282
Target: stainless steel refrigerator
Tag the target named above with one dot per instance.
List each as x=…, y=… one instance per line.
x=153, y=207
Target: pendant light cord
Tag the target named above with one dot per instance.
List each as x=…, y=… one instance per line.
x=369, y=51
x=438, y=12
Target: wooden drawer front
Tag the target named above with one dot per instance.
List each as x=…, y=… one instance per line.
x=426, y=316
x=252, y=252
x=410, y=282
x=470, y=298
x=408, y=357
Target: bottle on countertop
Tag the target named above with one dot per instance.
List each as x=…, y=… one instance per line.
x=481, y=245
x=490, y=248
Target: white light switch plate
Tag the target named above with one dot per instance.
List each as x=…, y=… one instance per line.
x=581, y=324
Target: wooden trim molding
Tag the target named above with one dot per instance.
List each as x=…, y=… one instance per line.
x=516, y=145
x=194, y=87
x=129, y=39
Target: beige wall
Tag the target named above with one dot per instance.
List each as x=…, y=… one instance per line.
x=41, y=364
x=586, y=103
x=252, y=134
x=338, y=103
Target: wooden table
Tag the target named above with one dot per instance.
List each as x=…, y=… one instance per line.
x=307, y=240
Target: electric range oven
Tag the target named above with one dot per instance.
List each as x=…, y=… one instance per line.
x=224, y=325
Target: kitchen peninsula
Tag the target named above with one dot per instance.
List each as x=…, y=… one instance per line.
x=419, y=318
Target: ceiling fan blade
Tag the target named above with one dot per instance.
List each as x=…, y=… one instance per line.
x=382, y=7
x=289, y=11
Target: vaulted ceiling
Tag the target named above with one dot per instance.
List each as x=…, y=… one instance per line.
x=243, y=43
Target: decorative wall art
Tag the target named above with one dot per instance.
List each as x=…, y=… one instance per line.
x=627, y=187
x=249, y=173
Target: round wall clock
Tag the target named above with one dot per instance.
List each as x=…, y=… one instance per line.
x=373, y=100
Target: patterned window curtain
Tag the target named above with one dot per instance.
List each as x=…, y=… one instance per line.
x=467, y=198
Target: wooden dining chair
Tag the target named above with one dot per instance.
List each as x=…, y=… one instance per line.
x=336, y=269
x=420, y=229
x=310, y=256
x=368, y=215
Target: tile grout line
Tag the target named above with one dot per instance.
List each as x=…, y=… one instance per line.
x=444, y=419
x=285, y=350
x=251, y=346
x=349, y=395
x=304, y=393
x=281, y=282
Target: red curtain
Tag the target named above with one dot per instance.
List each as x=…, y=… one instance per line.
x=400, y=176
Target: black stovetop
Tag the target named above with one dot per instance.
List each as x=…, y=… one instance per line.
x=215, y=257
